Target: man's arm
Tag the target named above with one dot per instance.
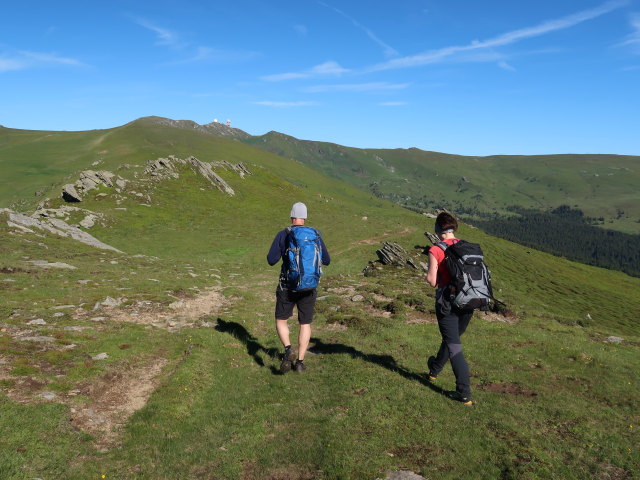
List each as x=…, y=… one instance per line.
x=277, y=248
x=326, y=259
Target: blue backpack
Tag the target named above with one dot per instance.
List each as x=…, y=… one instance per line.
x=305, y=258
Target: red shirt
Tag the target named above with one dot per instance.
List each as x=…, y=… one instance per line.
x=444, y=277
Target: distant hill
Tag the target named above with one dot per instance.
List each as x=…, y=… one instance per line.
x=509, y=196
x=602, y=186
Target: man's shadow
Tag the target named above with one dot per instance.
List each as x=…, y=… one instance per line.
x=254, y=348
x=317, y=346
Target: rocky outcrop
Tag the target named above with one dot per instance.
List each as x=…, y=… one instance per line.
x=394, y=255
x=167, y=168
x=90, y=180
x=65, y=211
x=213, y=128
x=432, y=238
x=26, y=224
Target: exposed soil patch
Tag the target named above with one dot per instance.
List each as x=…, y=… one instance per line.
x=522, y=344
x=417, y=318
x=611, y=472
x=507, y=388
x=10, y=270
x=252, y=471
x=179, y=314
x=507, y=317
x=114, y=398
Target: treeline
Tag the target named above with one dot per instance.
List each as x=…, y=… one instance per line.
x=568, y=233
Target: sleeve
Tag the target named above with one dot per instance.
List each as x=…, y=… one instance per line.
x=437, y=253
x=326, y=259
x=277, y=248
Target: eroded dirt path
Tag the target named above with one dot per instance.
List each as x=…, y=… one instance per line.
x=102, y=406
x=113, y=399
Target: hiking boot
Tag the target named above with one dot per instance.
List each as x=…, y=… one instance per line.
x=288, y=357
x=300, y=366
x=458, y=397
x=431, y=376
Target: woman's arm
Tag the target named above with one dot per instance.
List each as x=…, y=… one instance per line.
x=432, y=273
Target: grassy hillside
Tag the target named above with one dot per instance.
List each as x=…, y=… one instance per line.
x=600, y=185
x=189, y=387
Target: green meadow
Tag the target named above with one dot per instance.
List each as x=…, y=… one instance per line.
x=183, y=395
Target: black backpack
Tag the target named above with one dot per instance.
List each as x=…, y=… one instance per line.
x=470, y=287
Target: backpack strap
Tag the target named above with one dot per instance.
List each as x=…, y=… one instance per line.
x=443, y=246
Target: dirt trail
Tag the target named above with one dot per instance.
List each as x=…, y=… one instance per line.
x=109, y=400
x=376, y=239
x=182, y=313
x=113, y=399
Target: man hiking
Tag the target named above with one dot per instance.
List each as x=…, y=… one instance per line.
x=303, y=253
x=452, y=321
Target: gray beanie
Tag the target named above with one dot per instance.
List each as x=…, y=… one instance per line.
x=299, y=210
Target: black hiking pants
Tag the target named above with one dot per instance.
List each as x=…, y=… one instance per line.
x=452, y=323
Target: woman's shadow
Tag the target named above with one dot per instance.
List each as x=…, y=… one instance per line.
x=317, y=346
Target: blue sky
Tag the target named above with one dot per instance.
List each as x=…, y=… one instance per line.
x=456, y=76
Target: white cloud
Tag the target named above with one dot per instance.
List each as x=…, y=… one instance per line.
x=268, y=103
x=208, y=54
x=386, y=49
x=324, y=69
x=505, y=66
x=164, y=35
x=633, y=39
x=8, y=64
x=23, y=60
x=328, y=68
x=356, y=87
x=192, y=53
x=51, y=58
x=436, y=56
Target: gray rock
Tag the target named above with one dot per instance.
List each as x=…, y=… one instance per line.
x=38, y=339
x=48, y=396
x=37, y=321
x=613, y=339
x=55, y=226
x=112, y=302
x=357, y=298
x=394, y=254
x=45, y=264
x=402, y=475
x=88, y=221
x=70, y=194
x=100, y=356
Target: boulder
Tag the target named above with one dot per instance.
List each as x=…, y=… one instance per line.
x=70, y=194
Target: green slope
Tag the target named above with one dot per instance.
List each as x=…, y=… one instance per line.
x=554, y=398
x=600, y=185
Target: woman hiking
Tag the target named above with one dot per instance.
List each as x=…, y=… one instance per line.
x=452, y=321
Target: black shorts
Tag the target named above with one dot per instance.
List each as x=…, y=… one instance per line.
x=287, y=299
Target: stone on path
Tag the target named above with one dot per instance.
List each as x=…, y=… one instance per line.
x=37, y=321
x=402, y=475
